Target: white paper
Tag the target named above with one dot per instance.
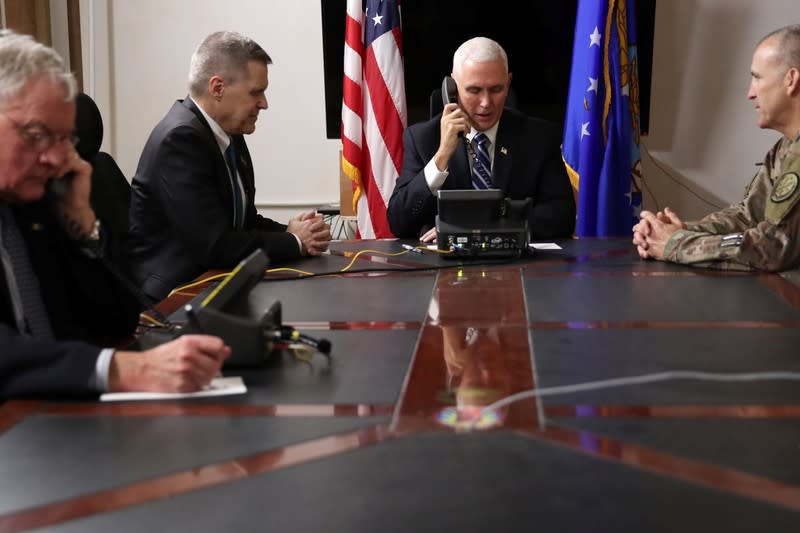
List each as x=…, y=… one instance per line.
x=217, y=387
x=544, y=246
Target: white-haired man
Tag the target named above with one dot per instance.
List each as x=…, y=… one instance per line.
x=512, y=152
x=55, y=293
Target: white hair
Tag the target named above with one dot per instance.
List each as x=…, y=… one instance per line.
x=479, y=49
x=23, y=59
x=226, y=54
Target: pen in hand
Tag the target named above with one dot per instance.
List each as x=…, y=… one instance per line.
x=194, y=324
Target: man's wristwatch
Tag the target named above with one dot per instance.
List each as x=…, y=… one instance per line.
x=92, y=242
x=94, y=234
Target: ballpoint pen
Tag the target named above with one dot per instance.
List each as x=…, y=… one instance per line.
x=411, y=248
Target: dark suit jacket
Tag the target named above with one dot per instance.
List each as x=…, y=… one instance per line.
x=527, y=164
x=181, y=213
x=84, y=301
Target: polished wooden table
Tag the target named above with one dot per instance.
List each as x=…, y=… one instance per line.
x=384, y=436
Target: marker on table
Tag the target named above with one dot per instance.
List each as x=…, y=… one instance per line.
x=411, y=248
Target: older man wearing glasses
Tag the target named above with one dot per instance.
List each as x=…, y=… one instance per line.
x=56, y=295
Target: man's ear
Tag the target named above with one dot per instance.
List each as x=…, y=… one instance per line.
x=793, y=81
x=216, y=87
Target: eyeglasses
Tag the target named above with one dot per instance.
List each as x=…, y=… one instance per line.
x=38, y=136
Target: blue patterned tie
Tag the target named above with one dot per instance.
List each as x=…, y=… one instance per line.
x=36, y=321
x=238, y=214
x=481, y=164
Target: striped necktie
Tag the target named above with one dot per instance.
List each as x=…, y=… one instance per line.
x=21, y=280
x=481, y=164
x=238, y=210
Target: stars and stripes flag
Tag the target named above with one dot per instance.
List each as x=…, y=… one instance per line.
x=601, y=129
x=373, y=109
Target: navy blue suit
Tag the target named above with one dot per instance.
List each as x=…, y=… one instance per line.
x=84, y=301
x=182, y=207
x=527, y=164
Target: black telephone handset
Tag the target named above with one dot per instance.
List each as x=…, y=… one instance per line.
x=450, y=96
x=56, y=188
x=449, y=91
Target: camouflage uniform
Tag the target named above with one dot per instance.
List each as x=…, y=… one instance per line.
x=762, y=232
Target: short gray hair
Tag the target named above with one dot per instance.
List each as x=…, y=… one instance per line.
x=23, y=59
x=225, y=54
x=788, y=44
x=479, y=49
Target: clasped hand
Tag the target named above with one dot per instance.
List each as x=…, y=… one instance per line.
x=313, y=232
x=651, y=233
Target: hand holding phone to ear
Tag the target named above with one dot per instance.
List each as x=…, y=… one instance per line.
x=70, y=195
x=454, y=124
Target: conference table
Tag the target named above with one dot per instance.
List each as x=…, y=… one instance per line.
x=665, y=398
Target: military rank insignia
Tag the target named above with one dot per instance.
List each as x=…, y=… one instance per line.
x=734, y=239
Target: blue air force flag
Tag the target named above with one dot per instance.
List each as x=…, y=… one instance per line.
x=601, y=129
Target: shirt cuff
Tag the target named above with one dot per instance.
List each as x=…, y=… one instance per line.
x=99, y=380
x=434, y=177
x=299, y=242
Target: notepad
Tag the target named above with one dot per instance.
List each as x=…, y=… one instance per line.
x=544, y=246
x=217, y=387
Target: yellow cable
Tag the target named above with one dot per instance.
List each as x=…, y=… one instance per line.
x=287, y=269
x=435, y=250
x=199, y=282
x=226, y=274
x=387, y=254
x=306, y=273
x=151, y=319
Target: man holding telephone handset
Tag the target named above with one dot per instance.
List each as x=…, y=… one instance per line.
x=57, y=296
x=477, y=143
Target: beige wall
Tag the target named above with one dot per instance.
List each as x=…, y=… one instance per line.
x=136, y=56
x=702, y=128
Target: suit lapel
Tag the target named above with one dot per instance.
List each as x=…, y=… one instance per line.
x=460, y=174
x=503, y=153
x=222, y=165
x=243, y=165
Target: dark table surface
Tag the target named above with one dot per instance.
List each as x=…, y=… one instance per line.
x=388, y=434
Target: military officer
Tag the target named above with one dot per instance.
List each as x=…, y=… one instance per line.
x=762, y=232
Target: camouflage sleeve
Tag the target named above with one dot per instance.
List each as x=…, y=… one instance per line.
x=728, y=220
x=741, y=216
x=761, y=233
x=767, y=247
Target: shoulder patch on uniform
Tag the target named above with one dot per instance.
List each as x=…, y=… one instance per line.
x=785, y=187
x=785, y=195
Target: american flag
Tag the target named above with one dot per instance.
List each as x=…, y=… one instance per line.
x=373, y=109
